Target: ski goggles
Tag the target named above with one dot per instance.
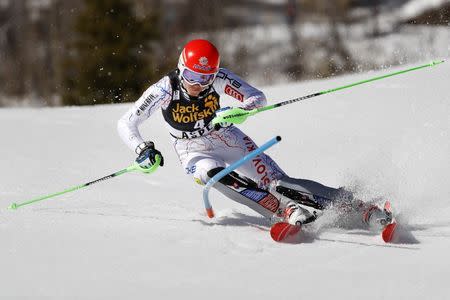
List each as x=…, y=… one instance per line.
x=197, y=78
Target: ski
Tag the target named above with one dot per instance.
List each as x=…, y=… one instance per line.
x=281, y=231
x=388, y=231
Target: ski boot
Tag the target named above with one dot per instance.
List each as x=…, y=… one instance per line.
x=295, y=214
x=376, y=217
x=300, y=207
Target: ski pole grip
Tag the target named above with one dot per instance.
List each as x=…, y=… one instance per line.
x=149, y=170
x=229, y=169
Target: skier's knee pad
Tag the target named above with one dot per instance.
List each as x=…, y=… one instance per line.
x=227, y=179
x=213, y=172
x=232, y=178
x=203, y=166
x=202, y=176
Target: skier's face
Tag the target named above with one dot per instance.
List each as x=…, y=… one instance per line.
x=193, y=89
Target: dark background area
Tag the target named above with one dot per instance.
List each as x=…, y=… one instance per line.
x=75, y=52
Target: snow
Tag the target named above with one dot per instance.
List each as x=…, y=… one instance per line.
x=146, y=236
x=416, y=7
x=270, y=47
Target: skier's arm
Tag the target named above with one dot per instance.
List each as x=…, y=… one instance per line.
x=157, y=95
x=229, y=83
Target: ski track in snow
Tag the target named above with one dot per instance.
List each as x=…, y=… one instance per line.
x=139, y=236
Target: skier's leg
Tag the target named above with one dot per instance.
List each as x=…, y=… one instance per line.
x=245, y=191
x=261, y=170
x=202, y=159
x=206, y=156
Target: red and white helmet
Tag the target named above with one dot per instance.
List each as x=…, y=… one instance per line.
x=199, y=62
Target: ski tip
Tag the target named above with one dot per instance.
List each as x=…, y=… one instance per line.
x=388, y=232
x=437, y=62
x=210, y=213
x=13, y=206
x=280, y=231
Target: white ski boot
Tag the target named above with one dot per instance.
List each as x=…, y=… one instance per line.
x=294, y=214
x=296, y=208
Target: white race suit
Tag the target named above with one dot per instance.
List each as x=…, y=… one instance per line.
x=200, y=146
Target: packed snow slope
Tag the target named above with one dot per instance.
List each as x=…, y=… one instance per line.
x=147, y=236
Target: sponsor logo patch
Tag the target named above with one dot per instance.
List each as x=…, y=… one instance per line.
x=183, y=113
x=229, y=90
x=193, y=134
x=232, y=81
x=203, y=61
x=203, y=68
x=254, y=195
x=270, y=202
x=191, y=170
x=150, y=98
x=258, y=163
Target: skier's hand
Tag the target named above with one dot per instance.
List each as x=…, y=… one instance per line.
x=220, y=112
x=147, y=155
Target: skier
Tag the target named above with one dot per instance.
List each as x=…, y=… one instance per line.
x=189, y=100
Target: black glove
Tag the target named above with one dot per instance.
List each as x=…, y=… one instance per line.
x=147, y=151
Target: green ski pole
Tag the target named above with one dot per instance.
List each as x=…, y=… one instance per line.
x=238, y=115
x=133, y=167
